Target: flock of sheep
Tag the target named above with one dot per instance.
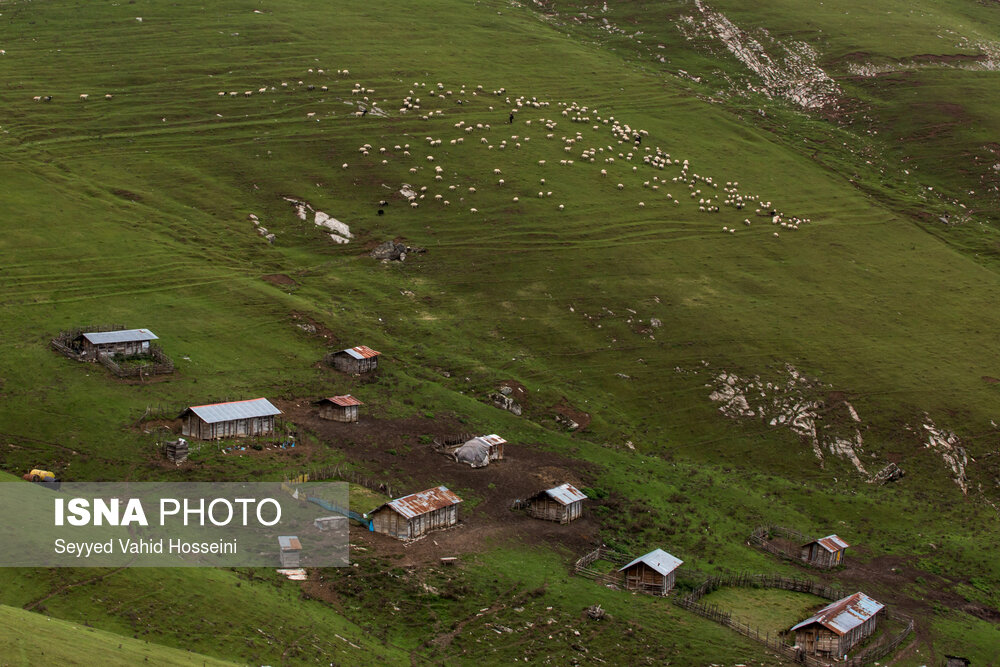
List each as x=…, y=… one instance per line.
x=627, y=148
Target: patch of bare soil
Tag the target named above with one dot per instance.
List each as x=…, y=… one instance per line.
x=312, y=327
x=518, y=391
x=566, y=410
x=948, y=58
x=400, y=451
x=279, y=279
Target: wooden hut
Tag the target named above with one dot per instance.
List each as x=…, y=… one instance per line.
x=414, y=515
x=290, y=548
x=825, y=552
x=339, y=408
x=495, y=445
x=126, y=342
x=235, y=419
x=652, y=573
x=358, y=359
x=563, y=504
x=837, y=628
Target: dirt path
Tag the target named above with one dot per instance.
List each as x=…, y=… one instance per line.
x=66, y=587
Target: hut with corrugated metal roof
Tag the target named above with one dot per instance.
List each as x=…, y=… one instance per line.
x=417, y=514
x=339, y=408
x=358, y=359
x=126, y=342
x=825, y=552
x=235, y=419
x=652, y=573
x=838, y=627
x=562, y=503
x=290, y=550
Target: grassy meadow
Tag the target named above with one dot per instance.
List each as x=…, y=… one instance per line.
x=134, y=210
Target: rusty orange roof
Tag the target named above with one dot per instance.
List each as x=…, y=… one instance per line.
x=422, y=502
x=831, y=543
x=344, y=401
x=361, y=352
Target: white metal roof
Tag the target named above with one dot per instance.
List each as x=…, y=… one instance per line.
x=223, y=412
x=565, y=494
x=124, y=336
x=659, y=560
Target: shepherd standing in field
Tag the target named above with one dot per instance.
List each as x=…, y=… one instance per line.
x=510, y=121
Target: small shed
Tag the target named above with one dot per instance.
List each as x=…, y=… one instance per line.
x=126, y=342
x=235, y=419
x=825, y=552
x=358, y=359
x=652, y=573
x=838, y=627
x=479, y=451
x=333, y=522
x=176, y=450
x=414, y=515
x=562, y=503
x=290, y=548
x=339, y=408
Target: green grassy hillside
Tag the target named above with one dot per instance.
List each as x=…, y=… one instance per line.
x=32, y=639
x=595, y=291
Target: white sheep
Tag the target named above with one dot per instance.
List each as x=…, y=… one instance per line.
x=621, y=186
x=84, y=97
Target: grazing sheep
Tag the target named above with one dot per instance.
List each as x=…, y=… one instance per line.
x=247, y=93
x=621, y=186
x=37, y=98
x=343, y=166
x=84, y=97
x=561, y=207
x=108, y=96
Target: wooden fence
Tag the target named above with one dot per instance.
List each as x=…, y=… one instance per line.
x=760, y=538
x=582, y=565
x=692, y=602
x=161, y=365
x=337, y=473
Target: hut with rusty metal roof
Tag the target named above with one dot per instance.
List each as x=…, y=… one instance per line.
x=826, y=552
x=339, y=408
x=652, y=573
x=417, y=514
x=838, y=627
x=125, y=342
x=358, y=359
x=563, y=503
x=235, y=419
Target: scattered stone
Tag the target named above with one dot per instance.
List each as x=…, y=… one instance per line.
x=890, y=473
x=506, y=403
x=393, y=251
